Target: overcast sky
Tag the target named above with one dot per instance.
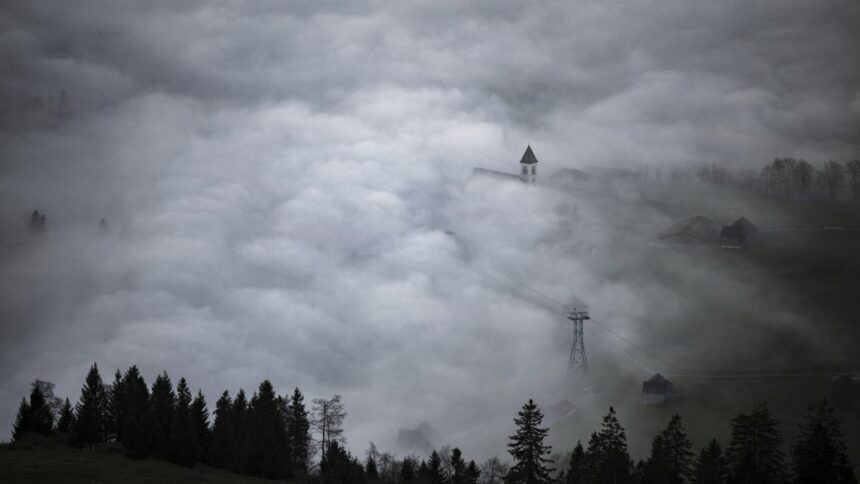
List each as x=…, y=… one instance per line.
x=285, y=182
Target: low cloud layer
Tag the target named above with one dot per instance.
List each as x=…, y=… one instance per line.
x=285, y=186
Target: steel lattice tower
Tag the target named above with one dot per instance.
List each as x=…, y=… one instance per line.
x=577, y=349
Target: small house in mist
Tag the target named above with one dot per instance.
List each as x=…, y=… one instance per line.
x=417, y=439
x=657, y=390
x=528, y=170
x=38, y=222
x=738, y=235
x=695, y=230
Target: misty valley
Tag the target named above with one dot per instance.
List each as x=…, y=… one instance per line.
x=518, y=242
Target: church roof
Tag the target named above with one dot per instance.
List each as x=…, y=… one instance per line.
x=528, y=157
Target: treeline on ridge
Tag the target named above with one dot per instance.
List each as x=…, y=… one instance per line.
x=274, y=436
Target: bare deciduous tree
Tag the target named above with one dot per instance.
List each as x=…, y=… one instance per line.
x=328, y=417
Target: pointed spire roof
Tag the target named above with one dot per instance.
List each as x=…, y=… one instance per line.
x=528, y=157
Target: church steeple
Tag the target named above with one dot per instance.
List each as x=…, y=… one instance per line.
x=528, y=166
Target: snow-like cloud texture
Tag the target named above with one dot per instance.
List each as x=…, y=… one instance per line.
x=285, y=185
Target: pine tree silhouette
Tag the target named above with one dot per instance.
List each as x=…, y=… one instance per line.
x=710, y=467
x=22, y=421
x=266, y=443
x=528, y=449
x=458, y=467
x=200, y=425
x=820, y=456
x=298, y=432
x=114, y=417
x=607, y=456
x=754, y=454
x=671, y=455
x=66, y=419
x=91, y=411
x=136, y=432
x=184, y=448
x=473, y=473
x=163, y=406
x=224, y=447
x=41, y=414
x=240, y=427
x=577, y=467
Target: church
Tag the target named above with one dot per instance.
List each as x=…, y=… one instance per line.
x=528, y=170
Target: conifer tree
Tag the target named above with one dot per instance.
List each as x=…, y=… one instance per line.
x=90, y=411
x=22, y=421
x=432, y=472
x=298, y=432
x=407, y=471
x=754, y=454
x=339, y=466
x=41, y=415
x=223, y=447
x=163, y=406
x=577, y=467
x=200, y=424
x=66, y=419
x=671, y=455
x=710, y=467
x=184, y=448
x=370, y=469
x=136, y=415
x=820, y=456
x=114, y=400
x=607, y=456
x=240, y=427
x=473, y=473
x=527, y=448
x=458, y=467
x=266, y=450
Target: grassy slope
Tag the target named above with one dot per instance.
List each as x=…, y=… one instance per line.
x=69, y=465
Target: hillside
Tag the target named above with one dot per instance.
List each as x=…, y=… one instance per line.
x=80, y=466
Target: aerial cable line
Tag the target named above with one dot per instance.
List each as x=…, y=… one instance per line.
x=738, y=403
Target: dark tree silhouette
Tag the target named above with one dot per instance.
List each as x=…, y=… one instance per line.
x=41, y=416
x=91, y=411
x=298, y=433
x=671, y=455
x=339, y=467
x=432, y=472
x=820, y=456
x=136, y=415
x=223, y=433
x=754, y=454
x=710, y=466
x=458, y=467
x=200, y=425
x=407, y=471
x=114, y=417
x=66, y=419
x=607, y=456
x=163, y=404
x=527, y=448
x=473, y=473
x=184, y=448
x=266, y=449
x=22, y=421
x=240, y=428
x=370, y=470
x=577, y=467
